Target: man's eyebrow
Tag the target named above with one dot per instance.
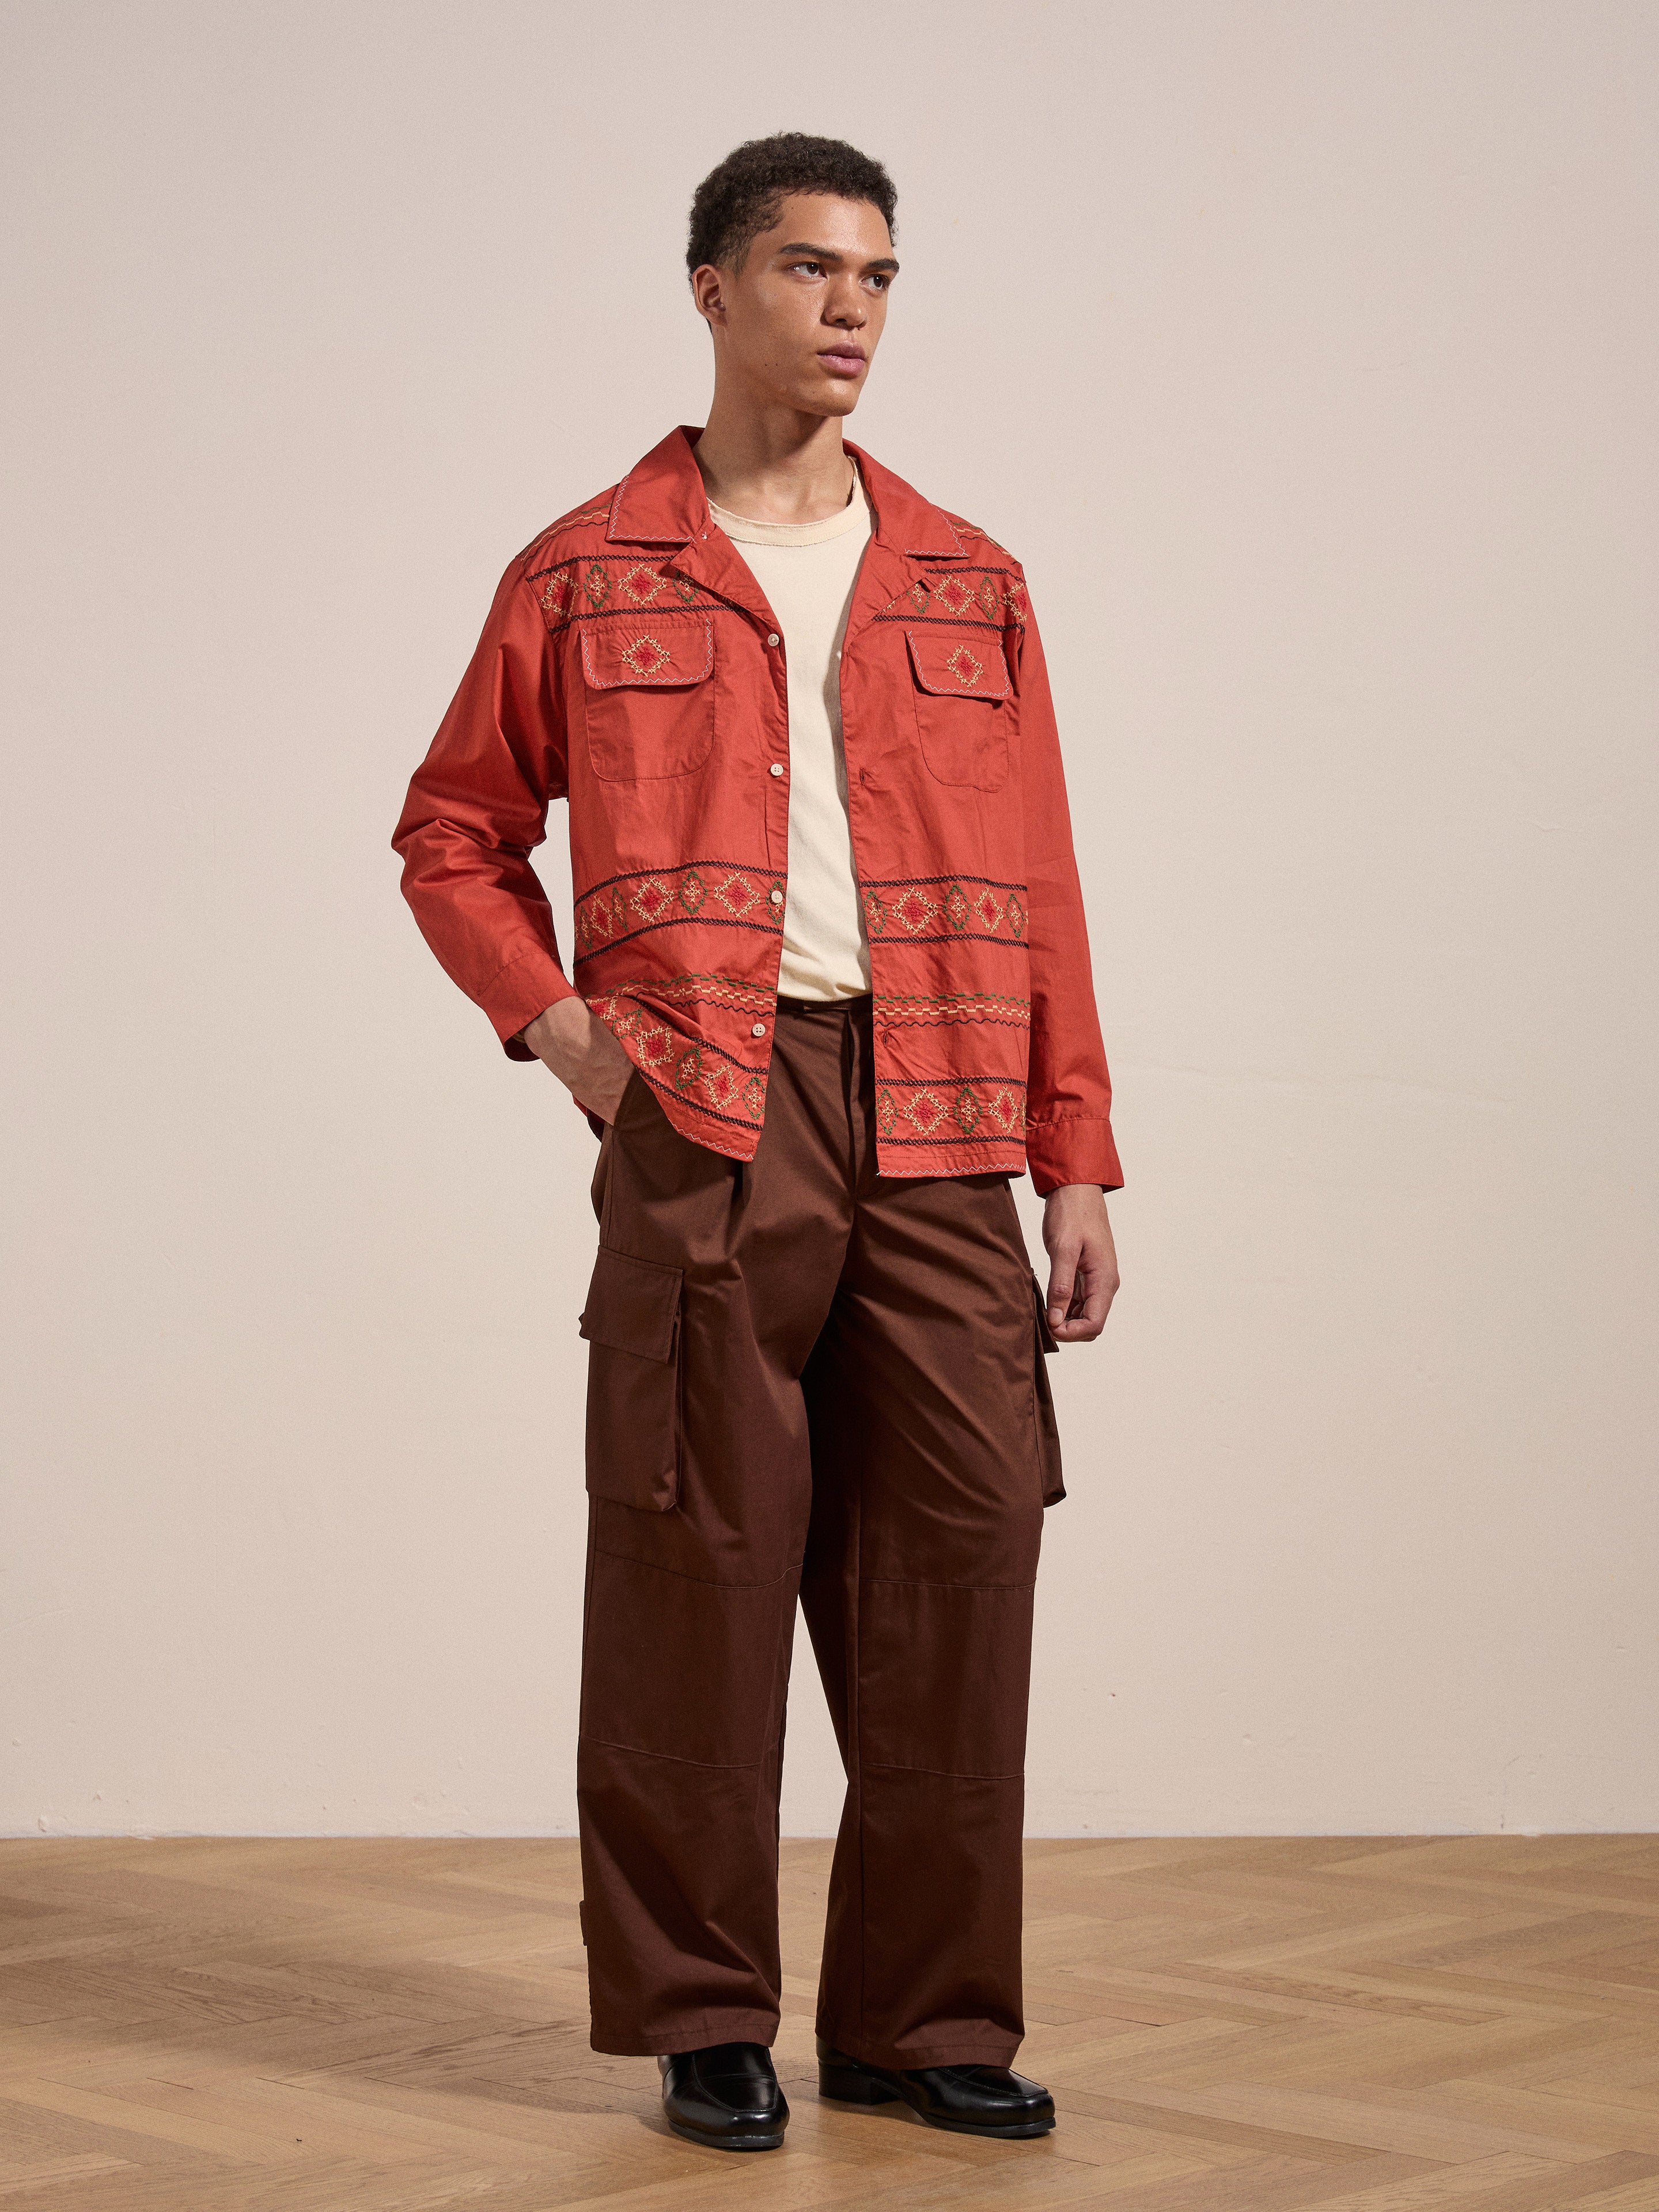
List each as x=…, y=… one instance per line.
x=829, y=254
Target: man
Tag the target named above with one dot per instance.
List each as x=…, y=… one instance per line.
x=831, y=993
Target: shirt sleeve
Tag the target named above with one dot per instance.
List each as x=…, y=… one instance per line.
x=1068, y=1126
x=475, y=810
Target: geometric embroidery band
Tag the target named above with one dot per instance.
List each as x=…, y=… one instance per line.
x=694, y=1069
x=932, y=908
x=585, y=588
x=988, y=1109
x=720, y=892
x=894, y=1009
x=990, y=598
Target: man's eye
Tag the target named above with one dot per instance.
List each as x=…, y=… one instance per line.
x=817, y=267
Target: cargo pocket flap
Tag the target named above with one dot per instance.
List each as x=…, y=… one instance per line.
x=955, y=666
x=632, y=1324
x=647, y=649
x=633, y=1305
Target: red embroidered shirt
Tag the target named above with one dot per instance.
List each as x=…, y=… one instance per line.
x=631, y=665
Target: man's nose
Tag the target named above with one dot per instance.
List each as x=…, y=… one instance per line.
x=845, y=307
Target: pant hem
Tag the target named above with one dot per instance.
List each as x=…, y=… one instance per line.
x=683, y=2034
x=983, y=2051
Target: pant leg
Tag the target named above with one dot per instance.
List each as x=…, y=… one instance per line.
x=929, y=1473
x=711, y=1284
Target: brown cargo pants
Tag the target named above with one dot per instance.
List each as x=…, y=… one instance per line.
x=807, y=1379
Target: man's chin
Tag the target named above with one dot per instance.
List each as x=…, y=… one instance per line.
x=839, y=397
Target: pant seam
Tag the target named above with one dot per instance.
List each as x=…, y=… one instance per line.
x=713, y=1765
x=706, y=1582
x=918, y=1582
x=941, y=1773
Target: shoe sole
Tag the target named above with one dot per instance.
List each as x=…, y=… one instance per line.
x=726, y=2142
x=843, y=2087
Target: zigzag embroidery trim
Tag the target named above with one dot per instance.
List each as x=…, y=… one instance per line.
x=718, y=894
x=931, y=909
x=972, y=530
x=976, y=1109
x=691, y=1067
x=896, y=1009
x=966, y=597
x=578, y=518
x=694, y=987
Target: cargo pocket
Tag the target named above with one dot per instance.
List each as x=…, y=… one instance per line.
x=961, y=685
x=648, y=695
x=632, y=1325
x=1044, y=1343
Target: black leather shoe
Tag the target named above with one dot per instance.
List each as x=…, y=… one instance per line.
x=972, y=2101
x=726, y=2095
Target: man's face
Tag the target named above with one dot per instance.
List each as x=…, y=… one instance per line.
x=798, y=323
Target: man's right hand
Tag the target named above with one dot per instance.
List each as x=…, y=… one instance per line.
x=576, y=1046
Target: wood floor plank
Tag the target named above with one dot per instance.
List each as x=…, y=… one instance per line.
x=1376, y=2024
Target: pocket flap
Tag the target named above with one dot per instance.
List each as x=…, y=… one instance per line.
x=958, y=665
x=633, y=1305
x=646, y=648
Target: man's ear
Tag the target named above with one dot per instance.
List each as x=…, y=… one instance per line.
x=706, y=290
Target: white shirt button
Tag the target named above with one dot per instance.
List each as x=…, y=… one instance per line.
x=772, y=637
x=777, y=768
x=777, y=898
x=759, y=1030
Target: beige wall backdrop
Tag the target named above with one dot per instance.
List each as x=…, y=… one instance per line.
x=1305, y=353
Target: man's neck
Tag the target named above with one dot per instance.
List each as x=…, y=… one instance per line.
x=773, y=464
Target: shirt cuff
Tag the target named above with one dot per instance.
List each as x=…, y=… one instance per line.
x=515, y=995
x=1072, y=1148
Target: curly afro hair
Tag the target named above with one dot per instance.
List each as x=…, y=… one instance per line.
x=740, y=198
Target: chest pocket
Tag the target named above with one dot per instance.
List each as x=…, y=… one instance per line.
x=960, y=693
x=648, y=691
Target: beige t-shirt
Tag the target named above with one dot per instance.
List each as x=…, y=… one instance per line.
x=807, y=570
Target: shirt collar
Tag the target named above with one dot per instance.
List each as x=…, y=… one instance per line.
x=661, y=501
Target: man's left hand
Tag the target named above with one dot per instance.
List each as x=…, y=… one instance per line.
x=1082, y=1261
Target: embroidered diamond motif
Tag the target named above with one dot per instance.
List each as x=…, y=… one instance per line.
x=653, y=898
x=693, y=890
x=647, y=656
x=927, y=1110
x=988, y=909
x=1007, y=1109
x=1016, y=913
x=737, y=894
x=633, y=580
x=557, y=596
x=965, y=1110
x=955, y=594
x=597, y=584
x=913, y=911
x=963, y=666
x=956, y=908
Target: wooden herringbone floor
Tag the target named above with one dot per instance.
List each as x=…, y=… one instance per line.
x=1470, y=2025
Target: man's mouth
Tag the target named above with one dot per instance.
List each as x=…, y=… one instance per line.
x=844, y=361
